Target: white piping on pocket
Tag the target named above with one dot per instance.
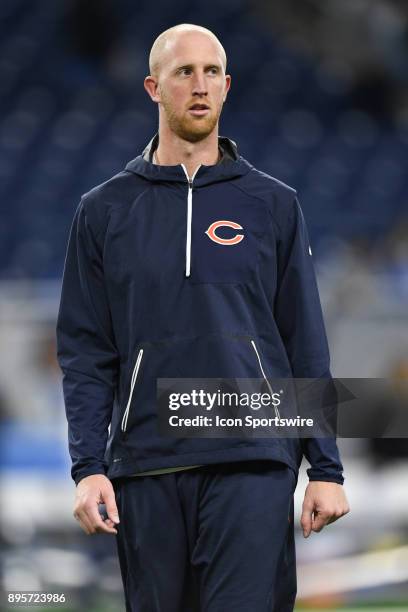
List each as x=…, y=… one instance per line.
x=264, y=375
x=132, y=386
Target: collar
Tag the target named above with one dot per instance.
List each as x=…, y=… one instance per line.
x=231, y=165
x=148, y=153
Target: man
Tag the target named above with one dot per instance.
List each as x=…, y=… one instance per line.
x=191, y=263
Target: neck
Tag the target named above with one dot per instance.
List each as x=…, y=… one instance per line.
x=173, y=150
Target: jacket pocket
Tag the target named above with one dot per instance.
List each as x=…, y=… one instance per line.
x=258, y=357
x=132, y=387
x=222, y=355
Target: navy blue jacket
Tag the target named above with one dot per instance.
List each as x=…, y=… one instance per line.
x=152, y=288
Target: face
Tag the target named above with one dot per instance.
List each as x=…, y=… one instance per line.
x=192, y=85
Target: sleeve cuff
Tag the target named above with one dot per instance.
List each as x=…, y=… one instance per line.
x=314, y=475
x=89, y=471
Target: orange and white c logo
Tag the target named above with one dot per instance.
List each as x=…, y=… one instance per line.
x=228, y=241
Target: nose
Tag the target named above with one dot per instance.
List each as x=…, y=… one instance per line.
x=199, y=84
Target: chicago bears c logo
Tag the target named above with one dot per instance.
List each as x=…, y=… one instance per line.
x=227, y=241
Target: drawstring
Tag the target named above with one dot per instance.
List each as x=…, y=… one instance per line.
x=189, y=217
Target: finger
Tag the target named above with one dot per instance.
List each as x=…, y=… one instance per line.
x=306, y=522
x=103, y=525
x=320, y=519
x=111, y=507
x=306, y=518
x=110, y=524
x=338, y=514
x=96, y=521
x=86, y=520
x=105, y=528
x=85, y=526
x=104, y=514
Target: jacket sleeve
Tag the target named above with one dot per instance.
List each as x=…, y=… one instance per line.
x=299, y=318
x=86, y=349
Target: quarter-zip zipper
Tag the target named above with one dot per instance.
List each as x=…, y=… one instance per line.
x=264, y=375
x=189, y=216
x=132, y=386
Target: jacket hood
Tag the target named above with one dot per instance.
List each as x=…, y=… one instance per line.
x=235, y=165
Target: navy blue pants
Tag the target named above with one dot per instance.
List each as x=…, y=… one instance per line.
x=211, y=539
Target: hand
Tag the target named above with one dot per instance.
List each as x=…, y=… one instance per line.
x=91, y=491
x=326, y=501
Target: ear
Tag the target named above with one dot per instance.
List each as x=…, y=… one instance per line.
x=227, y=85
x=151, y=85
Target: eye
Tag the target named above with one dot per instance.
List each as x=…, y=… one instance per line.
x=213, y=70
x=185, y=71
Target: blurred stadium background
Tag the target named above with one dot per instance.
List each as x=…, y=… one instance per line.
x=319, y=99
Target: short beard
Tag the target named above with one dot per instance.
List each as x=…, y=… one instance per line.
x=190, y=130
